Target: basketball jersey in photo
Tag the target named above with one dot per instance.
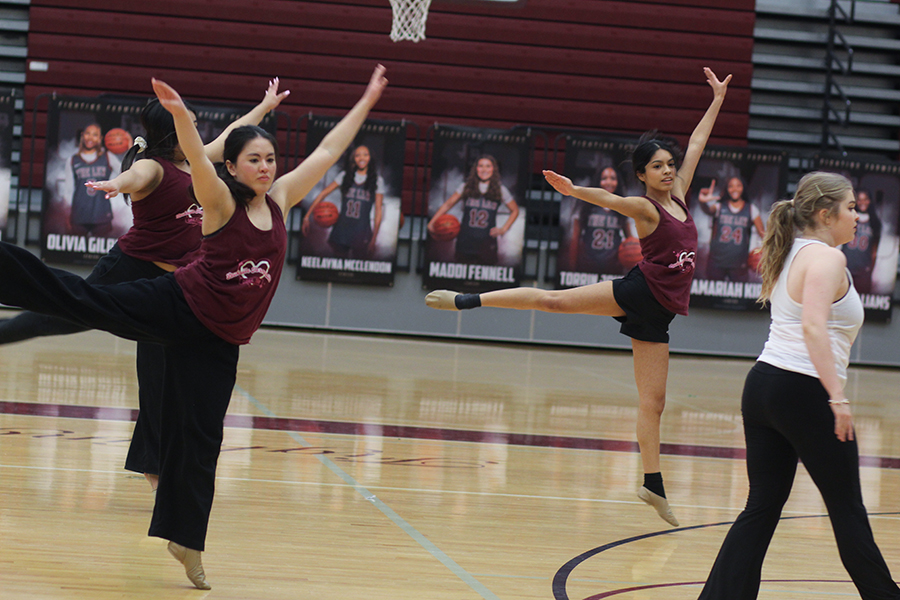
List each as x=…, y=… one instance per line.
x=354, y=222
x=601, y=233
x=730, y=242
x=90, y=206
x=479, y=216
x=865, y=242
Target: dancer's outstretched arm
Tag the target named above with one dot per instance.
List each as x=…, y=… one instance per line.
x=138, y=181
x=633, y=206
x=630, y=207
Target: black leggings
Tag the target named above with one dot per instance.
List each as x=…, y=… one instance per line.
x=196, y=383
x=114, y=267
x=786, y=416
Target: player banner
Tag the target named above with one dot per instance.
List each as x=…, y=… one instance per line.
x=872, y=255
x=730, y=199
x=476, y=214
x=351, y=218
x=86, y=139
x=7, y=113
x=596, y=244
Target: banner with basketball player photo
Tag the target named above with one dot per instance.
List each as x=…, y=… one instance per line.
x=7, y=113
x=86, y=139
x=730, y=199
x=596, y=244
x=872, y=255
x=476, y=215
x=351, y=218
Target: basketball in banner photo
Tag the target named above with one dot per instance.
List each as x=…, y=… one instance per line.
x=753, y=259
x=325, y=214
x=446, y=227
x=630, y=252
x=118, y=141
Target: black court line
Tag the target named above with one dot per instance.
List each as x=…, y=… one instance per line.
x=562, y=575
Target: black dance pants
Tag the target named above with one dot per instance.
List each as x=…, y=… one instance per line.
x=786, y=417
x=196, y=382
x=113, y=267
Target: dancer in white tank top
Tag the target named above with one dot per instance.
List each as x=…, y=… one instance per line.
x=794, y=405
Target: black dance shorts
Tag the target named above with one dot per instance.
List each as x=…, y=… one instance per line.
x=645, y=318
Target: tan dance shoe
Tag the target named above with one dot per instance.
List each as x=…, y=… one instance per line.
x=193, y=568
x=442, y=300
x=660, y=504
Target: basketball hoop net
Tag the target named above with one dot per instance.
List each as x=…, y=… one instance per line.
x=409, y=19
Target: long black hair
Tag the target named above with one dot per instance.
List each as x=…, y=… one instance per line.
x=647, y=146
x=160, y=137
x=234, y=144
x=350, y=169
x=597, y=178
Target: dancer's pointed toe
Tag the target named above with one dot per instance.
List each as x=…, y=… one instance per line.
x=660, y=504
x=193, y=568
x=442, y=300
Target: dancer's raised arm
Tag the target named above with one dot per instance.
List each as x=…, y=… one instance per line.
x=701, y=134
x=270, y=102
x=290, y=189
x=210, y=191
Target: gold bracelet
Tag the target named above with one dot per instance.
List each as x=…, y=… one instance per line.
x=844, y=401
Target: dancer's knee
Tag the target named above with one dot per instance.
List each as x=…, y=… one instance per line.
x=653, y=405
x=553, y=301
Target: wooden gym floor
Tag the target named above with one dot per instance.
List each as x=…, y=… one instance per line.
x=385, y=468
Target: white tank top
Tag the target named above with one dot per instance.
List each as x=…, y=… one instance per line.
x=786, y=348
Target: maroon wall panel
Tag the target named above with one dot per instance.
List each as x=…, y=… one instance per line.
x=617, y=66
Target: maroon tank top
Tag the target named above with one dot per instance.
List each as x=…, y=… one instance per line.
x=668, y=264
x=231, y=283
x=166, y=222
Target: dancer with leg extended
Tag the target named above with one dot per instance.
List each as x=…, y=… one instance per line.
x=647, y=299
x=202, y=312
x=794, y=404
x=165, y=232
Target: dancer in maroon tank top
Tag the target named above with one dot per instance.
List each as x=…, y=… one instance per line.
x=201, y=313
x=155, y=179
x=647, y=299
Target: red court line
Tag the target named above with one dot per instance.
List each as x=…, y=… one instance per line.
x=402, y=431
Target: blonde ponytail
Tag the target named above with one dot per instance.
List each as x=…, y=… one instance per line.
x=815, y=191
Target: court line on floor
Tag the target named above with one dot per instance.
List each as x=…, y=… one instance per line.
x=736, y=509
x=292, y=424
x=411, y=531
